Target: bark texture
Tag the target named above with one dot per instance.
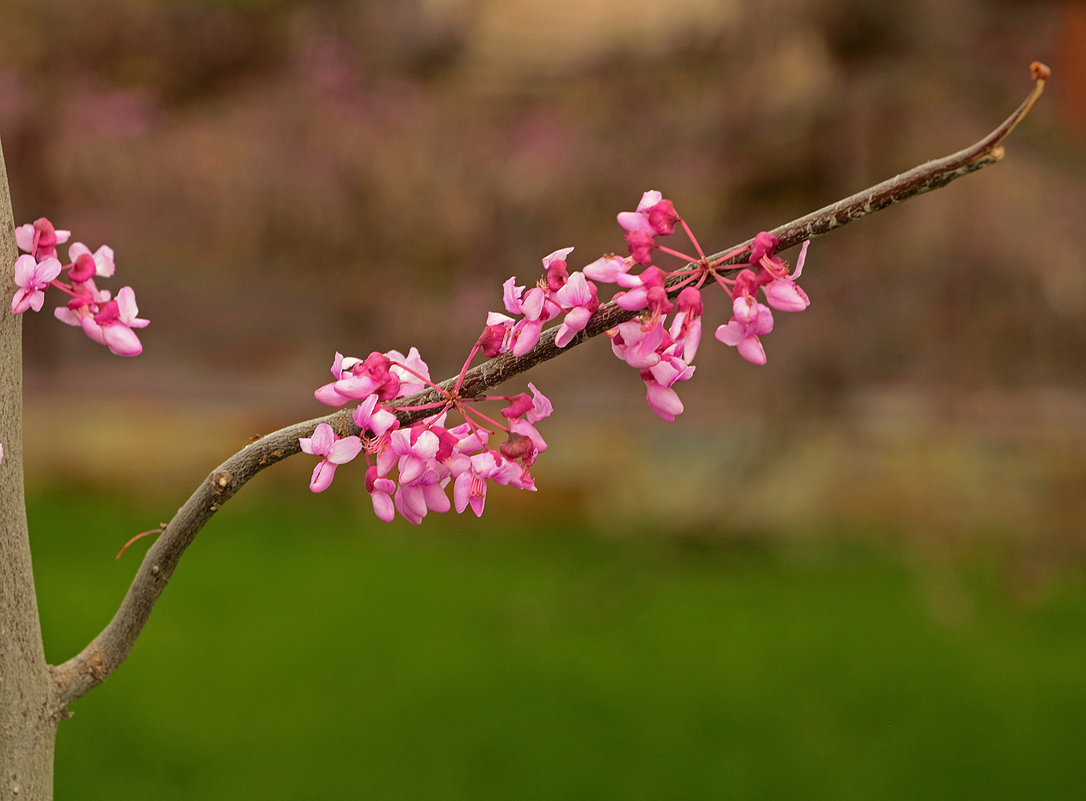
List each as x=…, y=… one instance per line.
x=28, y=724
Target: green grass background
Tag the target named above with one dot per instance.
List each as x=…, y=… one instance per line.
x=304, y=651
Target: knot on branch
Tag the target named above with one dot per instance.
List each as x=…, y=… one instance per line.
x=222, y=484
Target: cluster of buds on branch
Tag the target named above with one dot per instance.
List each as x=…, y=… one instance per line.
x=107, y=320
x=428, y=455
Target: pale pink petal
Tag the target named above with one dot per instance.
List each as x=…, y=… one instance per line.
x=663, y=400
x=751, y=349
x=323, y=474
x=121, y=340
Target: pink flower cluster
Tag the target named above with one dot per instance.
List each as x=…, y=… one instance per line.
x=409, y=468
x=661, y=349
x=108, y=321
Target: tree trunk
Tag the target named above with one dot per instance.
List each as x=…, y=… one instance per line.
x=28, y=720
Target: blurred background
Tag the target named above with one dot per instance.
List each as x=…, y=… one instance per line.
x=854, y=572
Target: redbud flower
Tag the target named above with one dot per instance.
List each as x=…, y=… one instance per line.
x=783, y=292
x=370, y=417
x=640, y=244
x=532, y=304
x=541, y=406
x=662, y=217
x=638, y=286
x=32, y=278
x=333, y=451
x=495, y=337
x=40, y=238
x=86, y=264
x=381, y=490
x=427, y=494
x=639, y=220
x=556, y=271
x=469, y=488
x=638, y=344
x=751, y=320
x=686, y=327
x=579, y=297
x=606, y=268
x=659, y=379
x=113, y=323
x=416, y=448
x=411, y=370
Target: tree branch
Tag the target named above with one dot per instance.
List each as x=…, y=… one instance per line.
x=110, y=648
x=27, y=727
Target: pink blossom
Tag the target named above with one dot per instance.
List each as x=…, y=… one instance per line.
x=469, y=488
x=541, y=406
x=579, y=297
x=662, y=217
x=40, y=238
x=641, y=244
x=659, y=379
x=32, y=278
x=637, y=288
x=654, y=217
x=416, y=448
x=370, y=417
x=112, y=325
x=783, y=293
x=532, y=304
x=357, y=379
x=413, y=501
x=381, y=490
x=342, y=368
x=686, y=327
x=524, y=336
x=751, y=320
x=411, y=370
x=86, y=264
x=556, y=271
x=333, y=451
x=637, y=344
x=606, y=268
x=496, y=336
x=638, y=220
x=525, y=442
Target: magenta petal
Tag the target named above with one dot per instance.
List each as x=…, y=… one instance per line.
x=323, y=474
x=478, y=501
x=329, y=397
x=343, y=450
x=784, y=295
x=730, y=334
x=663, y=400
x=462, y=490
x=436, y=499
x=122, y=340
x=383, y=506
x=634, y=300
x=751, y=349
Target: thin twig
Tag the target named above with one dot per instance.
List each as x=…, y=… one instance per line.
x=111, y=647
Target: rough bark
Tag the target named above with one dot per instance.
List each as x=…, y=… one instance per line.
x=28, y=724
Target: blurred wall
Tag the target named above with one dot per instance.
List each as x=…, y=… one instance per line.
x=282, y=180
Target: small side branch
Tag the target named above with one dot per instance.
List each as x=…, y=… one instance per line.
x=111, y=647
